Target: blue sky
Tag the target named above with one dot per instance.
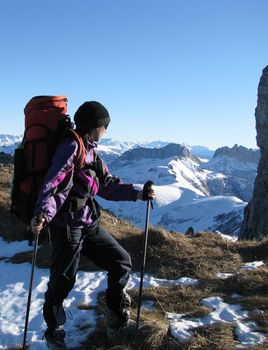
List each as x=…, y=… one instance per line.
x=184, y=71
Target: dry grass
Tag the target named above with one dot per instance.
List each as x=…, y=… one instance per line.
x=170, y=256
x=214, y=337
x=10, y=228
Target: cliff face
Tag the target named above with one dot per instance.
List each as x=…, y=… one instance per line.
x=255, y=223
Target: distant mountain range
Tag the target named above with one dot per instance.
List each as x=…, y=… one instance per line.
x=8, y=143
x=195, y=186
x=109, y=146
x=207, y=194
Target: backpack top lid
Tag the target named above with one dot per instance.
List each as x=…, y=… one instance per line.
x=42, y=114
x=46, y=103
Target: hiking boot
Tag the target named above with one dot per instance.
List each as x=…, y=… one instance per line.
x=55, y=337
x=54, y=315
x=119, y=300
x=117, y=318
x=119, y=324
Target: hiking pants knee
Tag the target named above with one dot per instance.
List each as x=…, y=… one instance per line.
x=98, y=246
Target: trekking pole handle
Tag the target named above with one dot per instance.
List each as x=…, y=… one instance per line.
x=147, y=188
x=39, y=218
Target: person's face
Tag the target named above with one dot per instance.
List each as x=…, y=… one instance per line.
x=98, y=133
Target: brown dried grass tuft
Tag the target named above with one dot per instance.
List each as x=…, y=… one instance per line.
x=174, y=255
x=11, y=228
x=213, y=337
x=249, y=282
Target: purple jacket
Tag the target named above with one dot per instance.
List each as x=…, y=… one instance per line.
x=64, y=181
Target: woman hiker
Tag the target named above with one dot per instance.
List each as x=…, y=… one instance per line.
x=66, y=202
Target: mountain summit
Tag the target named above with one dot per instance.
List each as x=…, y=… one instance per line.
x=239, y=152
x=170, y=150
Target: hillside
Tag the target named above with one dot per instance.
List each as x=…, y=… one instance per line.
x=220, y=277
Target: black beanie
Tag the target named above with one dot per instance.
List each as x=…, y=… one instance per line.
x=91, y=115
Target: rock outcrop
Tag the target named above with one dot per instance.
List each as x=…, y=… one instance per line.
x=255, y=223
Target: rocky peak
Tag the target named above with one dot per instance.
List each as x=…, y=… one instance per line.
x=239, y=152
x=171, y=150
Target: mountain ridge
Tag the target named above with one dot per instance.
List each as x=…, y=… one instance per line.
x=239, y=152
x=170, y=150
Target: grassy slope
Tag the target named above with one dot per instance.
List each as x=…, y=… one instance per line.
x=171, y=256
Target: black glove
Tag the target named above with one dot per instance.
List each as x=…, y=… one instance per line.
x=147, y=188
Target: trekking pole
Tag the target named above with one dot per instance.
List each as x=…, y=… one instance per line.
x=30, y=291
x=149, y=206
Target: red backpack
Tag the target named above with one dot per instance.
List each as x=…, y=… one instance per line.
x=46, y=125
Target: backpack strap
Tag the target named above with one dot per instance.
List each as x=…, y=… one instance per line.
x=81, y=154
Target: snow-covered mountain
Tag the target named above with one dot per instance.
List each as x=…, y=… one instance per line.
x=228, y=175
x=207, y=195
x=195, y=186
x=111, y=149
x=108, y=148
x=8, y=143
x=202, y=152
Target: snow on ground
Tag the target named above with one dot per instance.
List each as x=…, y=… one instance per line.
x=9, y=250
x=177, y=208
x=14, y=292
x=247, y=266
x=182, y=326
x=200, y=213
x=227, y=237
x=252, y=265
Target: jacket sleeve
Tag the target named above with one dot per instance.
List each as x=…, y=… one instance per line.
x=58, y=180
x=112, y=188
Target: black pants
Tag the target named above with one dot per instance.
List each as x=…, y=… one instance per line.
x=98, y=246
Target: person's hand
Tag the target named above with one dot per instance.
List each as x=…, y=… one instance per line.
x=37, y=224
x=147, y=192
